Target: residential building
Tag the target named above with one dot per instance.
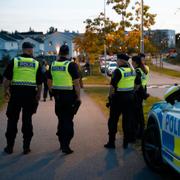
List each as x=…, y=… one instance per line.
x=38, y=45
x=8, y=45
x=53, y=42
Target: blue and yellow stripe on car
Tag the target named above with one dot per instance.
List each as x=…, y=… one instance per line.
x=170, y=133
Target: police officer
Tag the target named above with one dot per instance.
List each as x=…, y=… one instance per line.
x=45, y=69
x=145, y=69
x=140, y=93
x=22, y=86
x=63, y=79
x=122, y=102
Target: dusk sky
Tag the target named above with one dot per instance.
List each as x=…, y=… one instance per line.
x=70, y=14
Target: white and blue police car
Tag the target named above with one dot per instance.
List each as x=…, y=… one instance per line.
x=161, y=140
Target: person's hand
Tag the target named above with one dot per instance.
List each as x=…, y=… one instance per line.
x=78, y=99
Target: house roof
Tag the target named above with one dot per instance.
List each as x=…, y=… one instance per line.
x=17, y=36
x=7, y=37
x=31, y=33
x=67, y=35
x=38, y=40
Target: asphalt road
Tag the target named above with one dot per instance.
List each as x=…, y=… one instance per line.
x=90, y=159
x=158, y=84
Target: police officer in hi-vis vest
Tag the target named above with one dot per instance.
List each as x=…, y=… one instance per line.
x=63, y=80
x=145, y=69
x=122, y=99
x=140, y=92
x=22, y=87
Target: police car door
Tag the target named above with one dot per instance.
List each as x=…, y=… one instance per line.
x=171, y=135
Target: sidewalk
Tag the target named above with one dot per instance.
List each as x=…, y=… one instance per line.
x=90, y=159
x=167, y=65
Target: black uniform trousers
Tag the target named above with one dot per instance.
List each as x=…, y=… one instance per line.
x=65, y=112
x=46, y=89
x=28, y=106
x=122, y=103
x=140, y=122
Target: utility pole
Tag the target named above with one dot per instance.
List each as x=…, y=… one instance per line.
x=142, y=28
x=105, y=52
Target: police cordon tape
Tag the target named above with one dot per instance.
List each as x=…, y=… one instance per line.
x=160, y=86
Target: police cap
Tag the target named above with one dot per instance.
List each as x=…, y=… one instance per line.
x=64, y=50
x=121, y=56
x=27, y=45
x=142, y=55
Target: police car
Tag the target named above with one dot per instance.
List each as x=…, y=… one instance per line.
x=161, y=140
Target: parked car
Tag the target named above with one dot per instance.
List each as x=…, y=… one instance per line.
x=111, y=67
x=104, y=65
x=161, y=141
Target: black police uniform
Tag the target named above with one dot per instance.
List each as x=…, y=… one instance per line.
x=121, y=103
x=46, y=88
x=139, y=96
x=64, y=101
x=22, y=97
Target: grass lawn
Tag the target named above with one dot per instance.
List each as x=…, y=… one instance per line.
x=165, y=71
x=99, y=95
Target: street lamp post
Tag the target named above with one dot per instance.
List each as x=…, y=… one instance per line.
x=105, y=52
x=142, y=28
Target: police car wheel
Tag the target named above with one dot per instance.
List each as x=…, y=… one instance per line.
x=151, y=148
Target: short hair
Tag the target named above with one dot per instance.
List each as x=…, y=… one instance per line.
x=64, y=50
x=142, y=55
x=27, y=45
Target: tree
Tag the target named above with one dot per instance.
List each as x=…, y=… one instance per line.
x=148, y=18
x=102, y=30
x=52, y=30
x=89, y=45
x=121, y=8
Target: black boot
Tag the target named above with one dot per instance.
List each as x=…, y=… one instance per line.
x=8, y=149
x=65, y=146
x=67, y=150
x=111, y=143
x=26, y=147
x=125, y=143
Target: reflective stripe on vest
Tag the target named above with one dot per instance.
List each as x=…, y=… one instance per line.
x=24, y=71
x=126, y=82
x=61, y=78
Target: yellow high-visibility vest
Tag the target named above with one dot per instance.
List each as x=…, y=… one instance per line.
x=24, y=71
x=144, y=77
x=61, y=79
x=126, y=82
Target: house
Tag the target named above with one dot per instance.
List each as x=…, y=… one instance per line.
x=8, y=46
x=53, y=42
x=38, y=45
